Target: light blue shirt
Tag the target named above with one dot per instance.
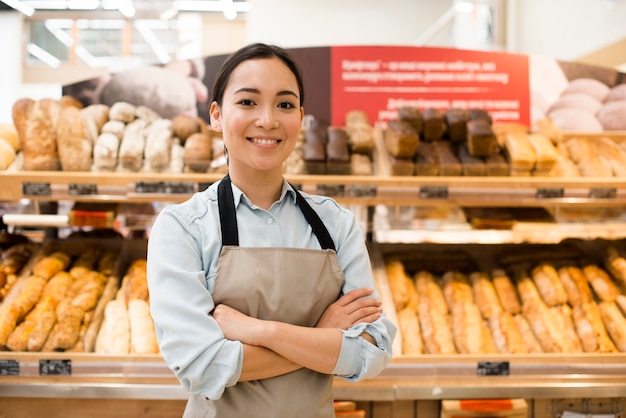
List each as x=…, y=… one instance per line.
x=183, y=251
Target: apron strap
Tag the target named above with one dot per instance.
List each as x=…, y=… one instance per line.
x=228, y=218
x=319, y=229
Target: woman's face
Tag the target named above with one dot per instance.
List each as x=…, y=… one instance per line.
x=260, y=116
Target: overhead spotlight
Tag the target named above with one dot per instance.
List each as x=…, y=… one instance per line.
x=169, y=14
x=464, y=6
x=20, y=7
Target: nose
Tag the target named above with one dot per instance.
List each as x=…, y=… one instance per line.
x=267, y=118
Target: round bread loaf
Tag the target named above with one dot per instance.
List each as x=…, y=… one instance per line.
x=7, y=154
x=617, y=93
x=198, y=152
x=577, y=101
x=9, y=134
x=575, y=120
x=612, y=115
x=184, y=126
x=589, y=86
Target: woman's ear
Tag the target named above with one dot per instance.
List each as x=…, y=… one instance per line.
x=214, y=113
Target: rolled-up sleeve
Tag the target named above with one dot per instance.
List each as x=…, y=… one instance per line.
x=191, y=342
x=359, y=359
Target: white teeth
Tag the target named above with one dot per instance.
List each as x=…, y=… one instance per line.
x=264, y=141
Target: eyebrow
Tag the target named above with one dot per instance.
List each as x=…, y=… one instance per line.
x=257, y=91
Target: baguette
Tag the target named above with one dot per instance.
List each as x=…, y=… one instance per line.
x=591, y=329
x=549, y=284
x=485, y=295
x=615, y=323
x=114, y=335
x=506, y=334
x=412, y=343
x=398, y=283
x=143, y=338
x=432, y=312
x=575, y=285
x=505, y=289
x=601, y=283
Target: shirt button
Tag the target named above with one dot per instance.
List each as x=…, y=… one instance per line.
x=270, y=221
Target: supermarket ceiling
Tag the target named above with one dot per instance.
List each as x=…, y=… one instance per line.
x=126, y=8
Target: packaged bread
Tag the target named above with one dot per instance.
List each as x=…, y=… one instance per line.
x=615, y=323
x=520, y=152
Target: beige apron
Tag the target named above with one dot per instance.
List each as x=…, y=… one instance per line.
x=292, y=285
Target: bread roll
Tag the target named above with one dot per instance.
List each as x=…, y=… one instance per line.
x=147, y=114
x=198, y=152
x=159, y=137
x=8, y=132
x=105, y=151
x=123, y=111
x=7, y=154
x=184, y=126
x=132, y=146
x=589, y=86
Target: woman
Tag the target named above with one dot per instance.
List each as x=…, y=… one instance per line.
x=260, y=293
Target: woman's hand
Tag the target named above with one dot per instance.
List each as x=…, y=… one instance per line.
x=237, y=326
x=350, y=309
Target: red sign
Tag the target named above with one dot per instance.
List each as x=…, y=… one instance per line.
x=381, y=79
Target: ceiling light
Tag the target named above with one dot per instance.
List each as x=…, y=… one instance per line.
x=20, y=7
x=464, y=6
x=168, y=14
x=43, y=55
x=209, y=6
x=152, y=40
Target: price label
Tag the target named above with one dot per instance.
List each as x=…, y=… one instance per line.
x=550, y=193
x=433, y=192
x=76, y=189
x=149, y=187
x=493, y=368
x=331, y=190
x=602, y=193
x=36, y=189
x=55, y=367
x=357, y=190
x=9, y=368
x=172, y=187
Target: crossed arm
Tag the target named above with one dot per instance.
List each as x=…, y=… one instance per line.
x=274, y=348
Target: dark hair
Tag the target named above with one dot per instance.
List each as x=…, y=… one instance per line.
x=249, y=52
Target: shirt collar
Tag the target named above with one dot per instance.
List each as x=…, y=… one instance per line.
x=287, y=190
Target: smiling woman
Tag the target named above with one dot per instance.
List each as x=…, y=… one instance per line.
x=255, y=320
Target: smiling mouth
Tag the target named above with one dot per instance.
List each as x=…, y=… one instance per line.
x=263, y=141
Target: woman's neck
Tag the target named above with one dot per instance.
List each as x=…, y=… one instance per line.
x=262, y=188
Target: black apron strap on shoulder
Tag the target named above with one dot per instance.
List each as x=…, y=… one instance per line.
x=319, y=229
x=228, y=215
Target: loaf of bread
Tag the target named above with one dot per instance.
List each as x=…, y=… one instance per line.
x=123, y=111
x=401, y=139
x=360, y=165
x=198, y=152
x=496, y=164
x=481, y=140
x=601, y=283
x=521, y=153
x=356, y=116
x=184, y=126
x=434, y=124
x=114, y=335
x=136, y=281
x=74, y=141
x=133, y=143
x=8, y=132
x=142, y=334
x=615, y=263
x=575, y=285
x=49, y=265
x=591, y=329
x=613, y=154
x=147, y=113
x=449, y=164
x=361, y=138
x=506, y=334
x=545, y=152
x=505, y=289
x=456, y=289
x=35, y=122
x=527, y=334
x=401, y=166
x=15, y=310
x=95, y=117
x=585, y=154
x=105, y=152
x=549, y=284
x=413, y=116
x=456, y=121
x=615, y=323
x=467, y=329
x=426, y=160
x=471, y=166
x=159, y=137
x=485, y=295
x=412, y=343
x=398, y=283
x=433, y=315
x=7, y=154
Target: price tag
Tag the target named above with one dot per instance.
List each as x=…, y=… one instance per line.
x=493, y=368
x=331, y=190
x=36, y=189
x=55, y=367
x=550, y=193
x=76, y=189
x=182, y=187
x=357, y=190
x=149, y=187
x=9, y=368
x=602, y=193
x=433, y=192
